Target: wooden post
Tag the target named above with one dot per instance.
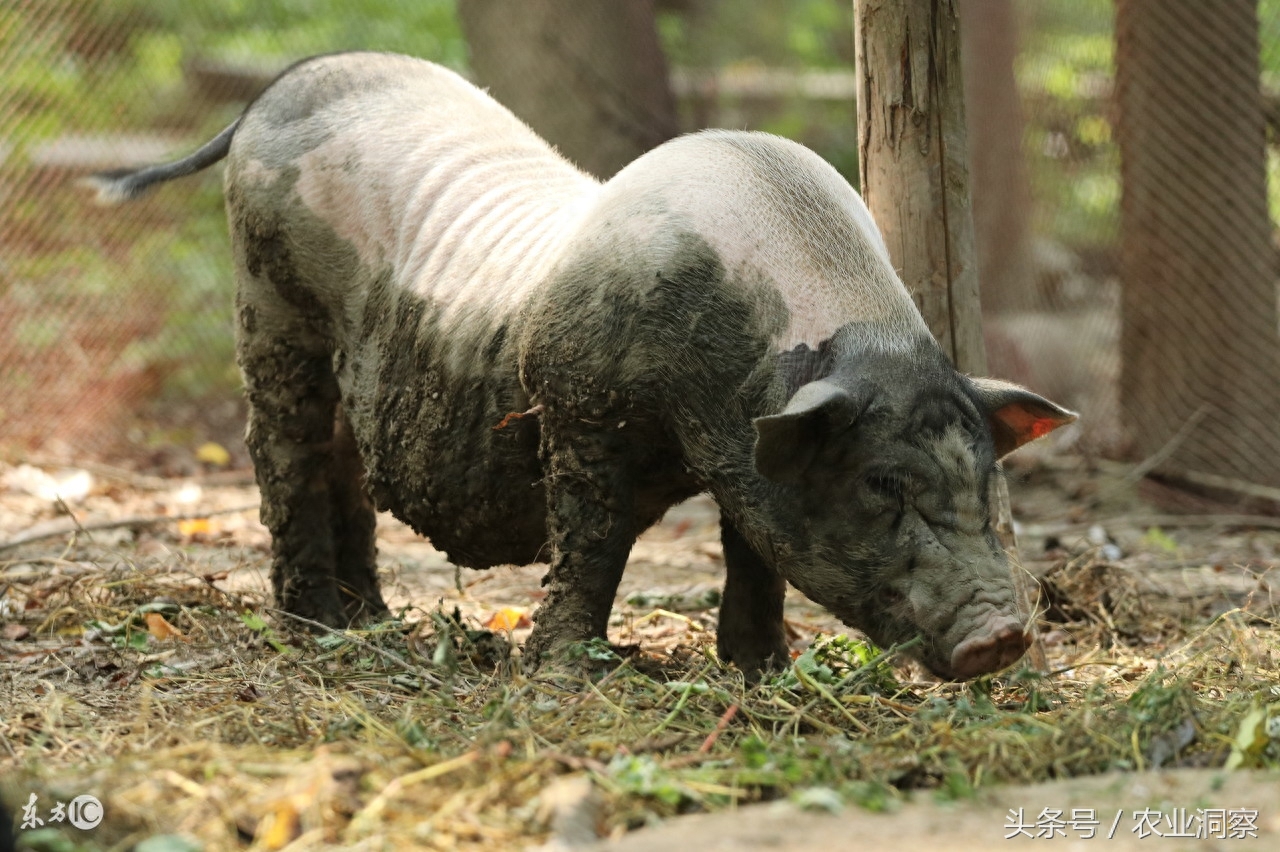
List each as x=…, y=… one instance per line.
x=913, y=165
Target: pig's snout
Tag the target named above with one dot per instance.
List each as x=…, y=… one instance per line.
x=998, y=646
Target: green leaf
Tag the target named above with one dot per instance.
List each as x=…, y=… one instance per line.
x=698, y=687
x=169, y=843
x=818, y=799
x=331, y=641
x=255, y=623
x=1251, y=738
x=1159, y=538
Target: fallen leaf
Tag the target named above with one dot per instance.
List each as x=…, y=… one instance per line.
x=508, y=618
x=168, y=843
x=195, y=526
x=280, y=827
x=248, y=693
x=161, y=629
x=315, y=798
x=15, y=632
x=1251, y=738
x=214, y=454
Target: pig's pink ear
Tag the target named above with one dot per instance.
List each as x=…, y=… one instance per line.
x=1016, y=415
x=787, y=443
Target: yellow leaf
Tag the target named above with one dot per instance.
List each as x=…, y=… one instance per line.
x=214, y=454
x=160, y=628
x=508, y=618
x=281, y=827
x=195, y=526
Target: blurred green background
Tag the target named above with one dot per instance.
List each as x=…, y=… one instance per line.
x=129, y=310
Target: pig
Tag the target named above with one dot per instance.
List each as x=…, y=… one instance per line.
x=440, y=317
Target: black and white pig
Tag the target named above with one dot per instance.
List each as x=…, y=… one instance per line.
x=414, y=265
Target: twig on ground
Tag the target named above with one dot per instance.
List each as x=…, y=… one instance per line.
x=360, y=643
x=1259, y=521
x=721, y=724
x=66, y=510
x=142, y=481
x=576, y=763
x=43, y=531
x=1227, y=483
x=369, y=814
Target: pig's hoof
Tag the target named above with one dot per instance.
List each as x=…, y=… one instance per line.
x=755, y=660
x=361, y=611
x=312, y=620
x=576, y=658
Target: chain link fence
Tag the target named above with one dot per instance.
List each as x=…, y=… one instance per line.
x=1141, y=208
x=1124, y=183
x=116, y=336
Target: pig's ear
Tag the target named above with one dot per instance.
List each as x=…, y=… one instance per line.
x=787, y=443
x=1016, y=415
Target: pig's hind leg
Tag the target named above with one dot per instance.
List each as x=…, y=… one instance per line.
x=751, y=632
x=292, y=395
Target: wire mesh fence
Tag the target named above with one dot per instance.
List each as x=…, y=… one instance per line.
x=1124, y=187
x=1149, y=236
x=115, y=324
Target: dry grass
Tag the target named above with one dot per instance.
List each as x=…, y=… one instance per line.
x=148, y=670
x=172, y=700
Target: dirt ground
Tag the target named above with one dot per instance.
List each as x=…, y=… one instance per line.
x=1121, y=577
x=1067, y=509
x=1130, y=811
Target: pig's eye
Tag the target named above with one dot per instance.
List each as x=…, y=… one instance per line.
x=890, y=485
x=892, y=489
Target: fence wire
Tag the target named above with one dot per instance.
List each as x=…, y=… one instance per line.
x=1123, y=170
x=1149, y=240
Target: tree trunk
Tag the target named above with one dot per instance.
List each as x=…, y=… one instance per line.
x=914, y=173
x=590, y=77
x=997, y=168
x=913, y=162
x=1200, y=381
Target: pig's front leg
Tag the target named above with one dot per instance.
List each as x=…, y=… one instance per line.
x=590, y=527
x=751, y=633
x=354, y=530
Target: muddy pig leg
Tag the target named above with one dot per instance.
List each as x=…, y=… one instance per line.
x=354, y=530
x=590, y=526
x=751, y=633
x=292, y=393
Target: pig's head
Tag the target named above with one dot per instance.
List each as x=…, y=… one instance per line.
x=884, y=475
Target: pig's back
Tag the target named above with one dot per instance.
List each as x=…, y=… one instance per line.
x=424, y=180
x=778, y=216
